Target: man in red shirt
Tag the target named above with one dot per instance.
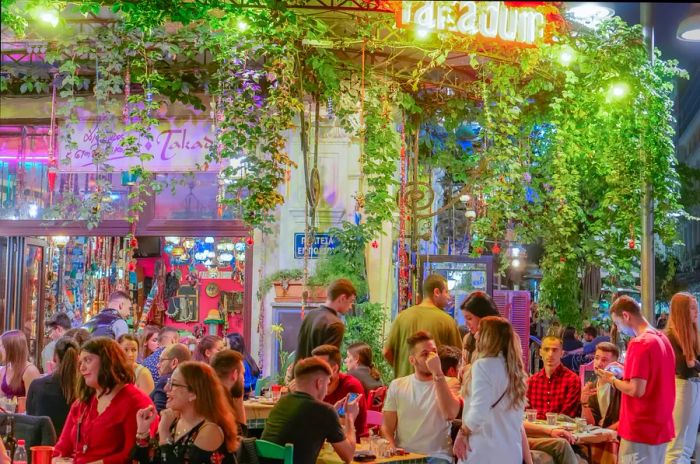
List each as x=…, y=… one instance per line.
x=342, y=384
x=648, y=387
x=555, y=388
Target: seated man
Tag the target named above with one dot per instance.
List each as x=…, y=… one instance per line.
x=342, y=384
x=418, y=408
x=304, y=420
x=591, y=340
x=553, y=389
x=228, y=365
x=450, y=358
x=601, y=402
x=170, y=357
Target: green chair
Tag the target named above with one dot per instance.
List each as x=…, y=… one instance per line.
x=269, y=450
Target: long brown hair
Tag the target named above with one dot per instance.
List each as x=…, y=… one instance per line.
x=363, y=352
x=114, y=369
x=497, y=337
x=683, y=326
x=66, y=372
x=16, y=355
x=210, y=401
x=149, y=332
x=206, y=343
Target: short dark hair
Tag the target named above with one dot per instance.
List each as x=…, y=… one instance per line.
x=590, y=330
x=59, y=320
x=114, y=369
x=164, y=330
x=179, y=351
x=608, y=348
x=117, y=295
x=309, y=366
x=226, y=361
x=331, y=351
x=418, y=337
x=339, y=288
x=449, y=357
x=569, y=333
x=78, y=334
x=627, y=304
x=431, y=283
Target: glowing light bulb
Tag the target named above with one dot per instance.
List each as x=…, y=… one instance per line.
x=48, y=16
x=619, y=90
x=566, y=57
x=242, y=25
x=422, y=33
x=516, y=263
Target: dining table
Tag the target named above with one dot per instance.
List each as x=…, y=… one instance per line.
x=257, y=411
x=329, y=456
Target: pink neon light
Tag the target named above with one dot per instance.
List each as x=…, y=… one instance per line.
x=16, y=158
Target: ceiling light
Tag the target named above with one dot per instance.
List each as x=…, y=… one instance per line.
x=589, y=14
x=422, y=33
x=689, y=28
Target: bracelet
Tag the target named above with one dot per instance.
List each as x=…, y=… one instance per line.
x=142, y=442
x=439, y=378
x=142, y=435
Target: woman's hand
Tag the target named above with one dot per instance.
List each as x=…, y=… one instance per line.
x=167, y=417
x=461, y=447
x=144, y=419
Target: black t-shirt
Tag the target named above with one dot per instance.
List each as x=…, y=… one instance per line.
x=45, y=398
x=304, y=422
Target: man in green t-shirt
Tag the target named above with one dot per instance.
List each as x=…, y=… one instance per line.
x=429, y=316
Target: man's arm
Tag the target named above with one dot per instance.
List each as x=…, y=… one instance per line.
x=448, y=404
x=119, y=327
x=634, y=387
x=572, y=399
x=536, y=430
x=389, y=421
x=333, y=335
x=346, y=448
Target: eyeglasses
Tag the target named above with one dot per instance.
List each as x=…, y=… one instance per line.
x=170, y=384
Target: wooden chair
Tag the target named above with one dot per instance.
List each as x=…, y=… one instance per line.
x=269, y=450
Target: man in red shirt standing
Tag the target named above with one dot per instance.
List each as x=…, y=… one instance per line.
x=648, y=387
x=341, y=385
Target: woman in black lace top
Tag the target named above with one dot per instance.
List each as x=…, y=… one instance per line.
x=198, y=425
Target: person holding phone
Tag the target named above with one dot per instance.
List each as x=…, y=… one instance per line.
x=343, y=385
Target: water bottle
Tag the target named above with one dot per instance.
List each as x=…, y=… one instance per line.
x=20, y=453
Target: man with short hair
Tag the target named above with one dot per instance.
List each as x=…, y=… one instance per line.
x=322, y=326
x=111, y=321
x=450, y=358
x=228, y=365
x=342, y=385
x=304, y=420
x=553, y=389
x=418, y=408
x=170, y=357
x=601, y=402
x=56, y=327
x=648, y=386
x=166, y=337
x=591, y=339
x=429, y=316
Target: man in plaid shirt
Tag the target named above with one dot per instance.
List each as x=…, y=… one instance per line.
x=555, y=388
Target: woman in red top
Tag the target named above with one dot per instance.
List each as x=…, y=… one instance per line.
x=101, y=424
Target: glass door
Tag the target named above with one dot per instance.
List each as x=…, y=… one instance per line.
x=32, y=295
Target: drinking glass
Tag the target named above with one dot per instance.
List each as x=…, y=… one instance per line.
x=551, y=418
x=531, y=415
x=581, y=425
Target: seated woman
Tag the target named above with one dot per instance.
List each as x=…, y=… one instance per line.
x=207, y=347
x=52, y=395
x=18, y=373
x=142, y=376
x=252, y=371
x=360, y=365
x=198, y=425
x=101, y=424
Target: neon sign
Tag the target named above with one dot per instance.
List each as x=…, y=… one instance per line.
x=491, y=20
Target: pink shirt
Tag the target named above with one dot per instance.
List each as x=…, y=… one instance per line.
x=649, y=419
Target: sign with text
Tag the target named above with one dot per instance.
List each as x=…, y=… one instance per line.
x=515, y=22
x=177, y=146
x=322, y=243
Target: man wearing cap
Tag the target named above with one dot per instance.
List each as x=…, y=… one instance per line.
x=56, y=327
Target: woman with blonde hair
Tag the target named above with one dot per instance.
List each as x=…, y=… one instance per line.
x=494, y=398
x=18, y=373
x=682, y=332
x=142, y=376
x=198, y=425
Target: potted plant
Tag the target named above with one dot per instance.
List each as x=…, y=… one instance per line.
x=289, y=286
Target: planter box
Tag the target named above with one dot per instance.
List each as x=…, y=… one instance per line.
x=292, y=291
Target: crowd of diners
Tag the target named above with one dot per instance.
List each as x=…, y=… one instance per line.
x=114, y=396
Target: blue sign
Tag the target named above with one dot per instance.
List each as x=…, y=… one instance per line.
x=322, y=243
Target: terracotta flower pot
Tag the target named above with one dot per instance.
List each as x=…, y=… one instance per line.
x=292, y=290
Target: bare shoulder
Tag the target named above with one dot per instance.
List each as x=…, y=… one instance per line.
x=210, y=437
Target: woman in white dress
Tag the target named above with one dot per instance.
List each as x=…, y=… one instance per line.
x=494, y=398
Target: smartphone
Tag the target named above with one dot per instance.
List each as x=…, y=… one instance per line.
x=351, y=397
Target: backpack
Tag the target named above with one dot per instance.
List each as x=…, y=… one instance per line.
x=102, y=324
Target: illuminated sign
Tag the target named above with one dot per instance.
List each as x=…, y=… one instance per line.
x=491, y=20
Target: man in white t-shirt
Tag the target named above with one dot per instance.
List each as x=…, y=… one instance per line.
x=412, y=416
